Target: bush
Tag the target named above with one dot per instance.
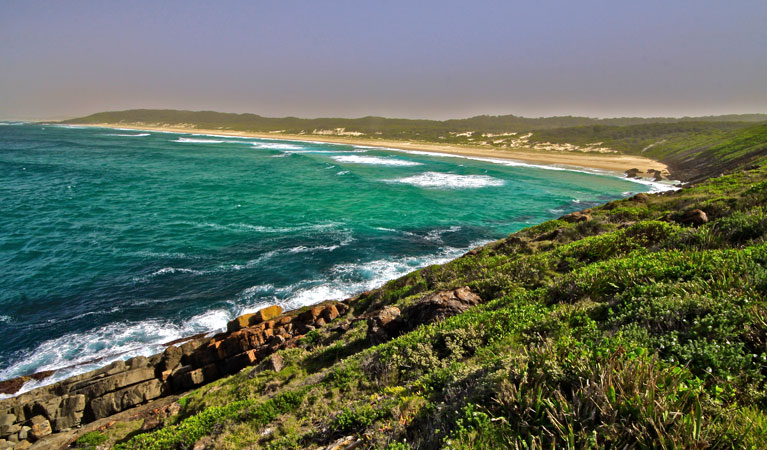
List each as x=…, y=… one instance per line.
x=193, y=428
x=91, y=440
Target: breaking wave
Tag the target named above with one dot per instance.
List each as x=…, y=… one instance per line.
x=449, y=181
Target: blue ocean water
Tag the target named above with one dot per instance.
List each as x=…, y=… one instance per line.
x=115, y=241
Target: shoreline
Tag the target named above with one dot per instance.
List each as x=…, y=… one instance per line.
x=617, y=164
x=435, y=149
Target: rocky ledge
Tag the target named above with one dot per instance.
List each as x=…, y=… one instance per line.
x=32, y=419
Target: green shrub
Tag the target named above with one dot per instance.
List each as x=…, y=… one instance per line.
x=90, y=440
x=193, y=428
x=359, y=418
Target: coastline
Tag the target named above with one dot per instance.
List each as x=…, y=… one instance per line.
x=550, y=159
x=618, y=164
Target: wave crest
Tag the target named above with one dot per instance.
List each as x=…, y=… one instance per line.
x=374, y=160
x=449, y=181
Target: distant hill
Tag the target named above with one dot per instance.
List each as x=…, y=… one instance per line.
x=689, y=145
x=382, y=126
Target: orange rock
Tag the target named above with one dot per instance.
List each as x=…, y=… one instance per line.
x=255, y=318
x=329, y=313
x=310, y=315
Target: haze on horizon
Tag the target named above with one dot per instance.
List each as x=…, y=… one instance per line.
x=426, y=59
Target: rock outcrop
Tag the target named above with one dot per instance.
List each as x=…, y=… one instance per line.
x=250, y=339
x=389, y=322
x=578, y=216
x=693, y=217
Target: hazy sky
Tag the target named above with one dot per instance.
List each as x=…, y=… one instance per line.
x=415, y=58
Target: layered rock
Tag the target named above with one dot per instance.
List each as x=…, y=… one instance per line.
x=122, y=385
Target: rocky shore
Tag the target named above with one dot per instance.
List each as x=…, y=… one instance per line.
x=33, y=419
x=52, y=417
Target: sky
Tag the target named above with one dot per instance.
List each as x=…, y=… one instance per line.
x=418, y=59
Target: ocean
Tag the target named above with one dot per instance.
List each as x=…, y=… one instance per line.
x=113, y=242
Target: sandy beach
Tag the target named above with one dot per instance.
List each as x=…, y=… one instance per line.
x=606, y=162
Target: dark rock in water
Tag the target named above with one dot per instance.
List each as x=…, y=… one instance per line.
x=633, y=173
x=13, y=385
x=657, y=175
x=694, y=217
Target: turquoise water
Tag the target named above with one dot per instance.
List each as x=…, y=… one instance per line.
x=112, y=241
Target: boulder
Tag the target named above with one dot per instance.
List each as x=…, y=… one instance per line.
x=329, y=313
x=383, y=324
x=239, y=362
x=113, y=369
x=189, y=347
x=195, y=377
x=310, y=315
x=101, y=386
x=578, y=216
x=7, y=430
x=138, y=362
x=22, y=445
x=640, y=198
x=48, y=407
x=274, y=363
x=69, y=413
x=694, y=217
x=255, y=318
x=342, y=308
x=7, y=419
x=439, y=306
x=170, y=359
x=633, y=173
x=114, y=402
x=39, y=427
x=24, y=432
x=69, y=421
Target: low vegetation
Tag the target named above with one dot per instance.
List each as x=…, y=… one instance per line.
x=629, y=326
x=693, y=147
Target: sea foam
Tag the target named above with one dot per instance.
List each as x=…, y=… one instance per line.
x=374, y=160
x=449, y=181
x=80, y=352
x=198, y=141
x=276, y=146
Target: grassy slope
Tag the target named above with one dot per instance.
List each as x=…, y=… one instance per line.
x=699, y=148
x=628, y=329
